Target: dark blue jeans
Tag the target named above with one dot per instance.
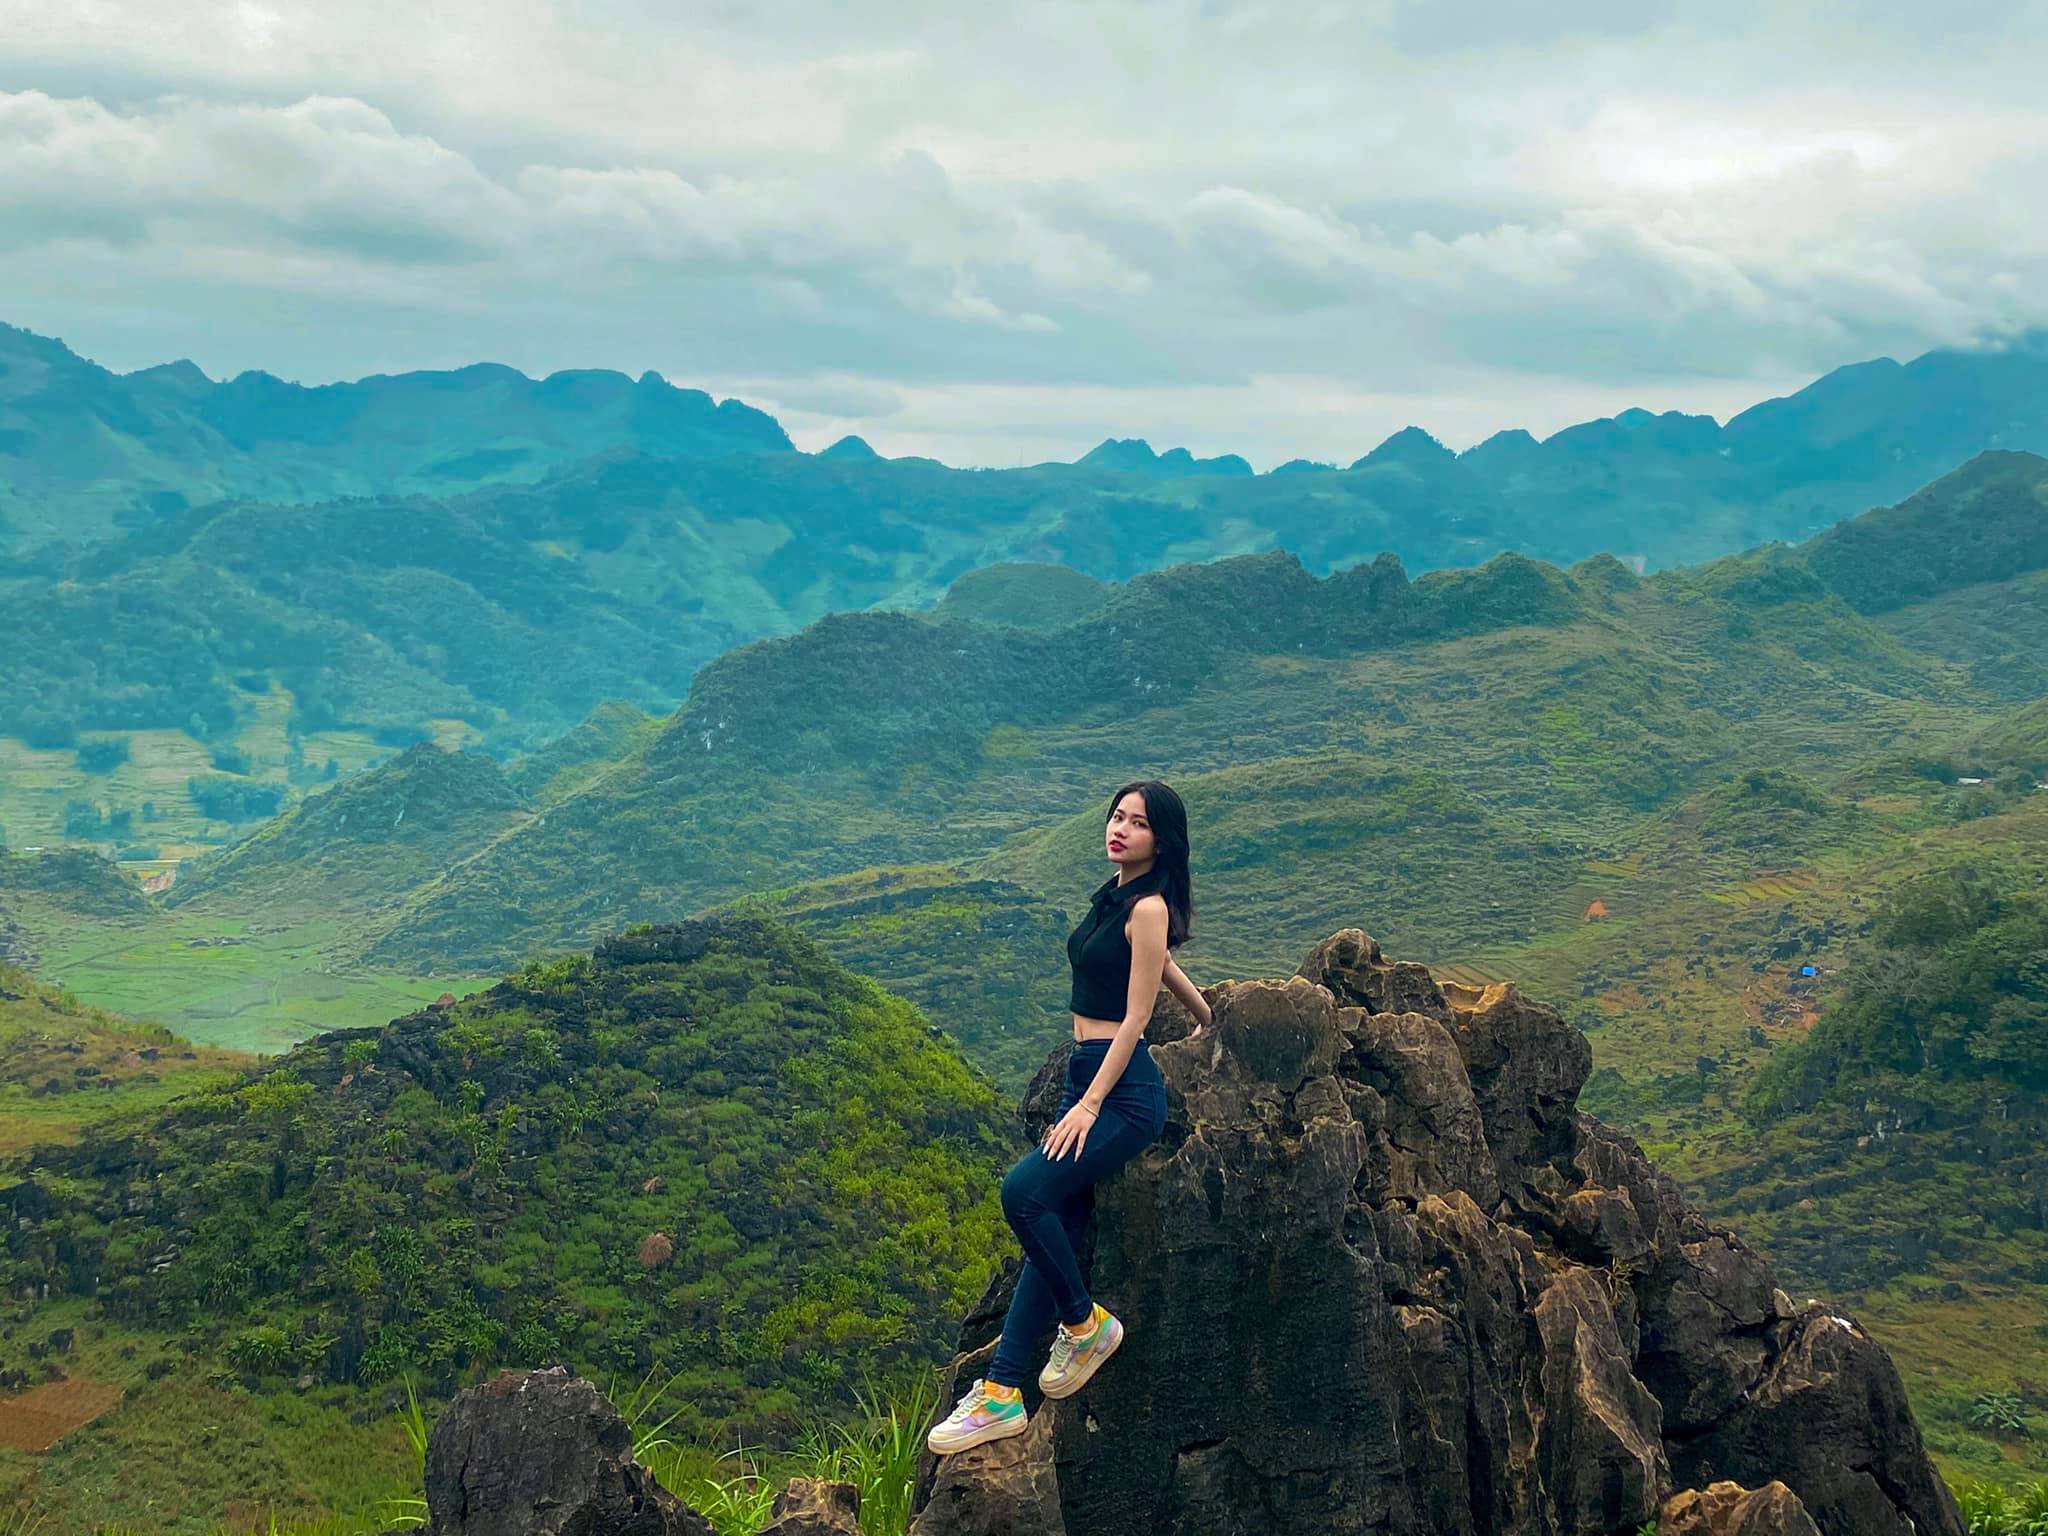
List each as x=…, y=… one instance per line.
x=1048, y=1202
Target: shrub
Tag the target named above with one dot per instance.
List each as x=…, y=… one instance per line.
x=102, y=756
x=263, y=1351
x=221, y=798
x=2002, y=1413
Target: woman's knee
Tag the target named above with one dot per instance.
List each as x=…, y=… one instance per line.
x=1016, y=1191
x=1022, y=1190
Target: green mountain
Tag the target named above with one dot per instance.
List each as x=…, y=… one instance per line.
x=555, y=770
x=382, y=831
x=70, y=886
x=85, y=452
x=707, y=1144
x=1893, y=1152
x=1343, y=718
x=71, y=878
x=361, y=566
x=1022, y=595
x=1983, y=525
x=1133, y=455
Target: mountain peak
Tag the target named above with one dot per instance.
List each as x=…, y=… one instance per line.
x=1512, y=445
x=849, y=447
x=1411, y=446
x=184, y=375
x=1135, y=455
x=1120, y=453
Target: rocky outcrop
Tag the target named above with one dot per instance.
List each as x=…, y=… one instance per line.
x=543, y=1453
x=810, y=1506
x=1382, y=1276
x=1729, y=1509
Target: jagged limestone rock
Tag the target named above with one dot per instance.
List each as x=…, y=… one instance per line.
x=809, y=1506
x=1729, y=1509
x=1009, y=1487
x=544, y=1453
x=1380, y=1275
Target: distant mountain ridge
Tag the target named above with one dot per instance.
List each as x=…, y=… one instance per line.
x=85, y=452
x=524, y=548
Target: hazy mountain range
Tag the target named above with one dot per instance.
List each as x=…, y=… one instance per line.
x=511, y=550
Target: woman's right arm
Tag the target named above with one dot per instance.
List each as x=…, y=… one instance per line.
x=1190, y=995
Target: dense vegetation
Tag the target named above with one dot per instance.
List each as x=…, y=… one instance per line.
x=1483, y=708
x=1915, y=1107
x=708, y=1148
x=1948, y=1001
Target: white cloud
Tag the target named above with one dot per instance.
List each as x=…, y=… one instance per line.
x=321, y=172
x=1174, y=212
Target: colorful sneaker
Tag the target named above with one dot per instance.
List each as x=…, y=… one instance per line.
x=977, y=1418
x=1071, y=1365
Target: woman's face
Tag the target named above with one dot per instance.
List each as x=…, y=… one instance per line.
x=1128, y=837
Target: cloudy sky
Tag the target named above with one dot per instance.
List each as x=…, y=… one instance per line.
x=996, y=234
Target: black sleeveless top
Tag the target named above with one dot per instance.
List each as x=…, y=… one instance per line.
x=1099, y=950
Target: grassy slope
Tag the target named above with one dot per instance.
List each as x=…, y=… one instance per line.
x=65, y=1067
x=378, y=832
x=824, y=1169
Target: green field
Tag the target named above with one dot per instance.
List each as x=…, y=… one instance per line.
x=237, y=982
x=150, y=785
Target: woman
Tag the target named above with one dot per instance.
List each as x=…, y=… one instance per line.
x=1115, y=1104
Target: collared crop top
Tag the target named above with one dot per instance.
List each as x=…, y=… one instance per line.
x=1100, y=951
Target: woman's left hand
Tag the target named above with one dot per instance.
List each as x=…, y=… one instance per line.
x=1072, y=1130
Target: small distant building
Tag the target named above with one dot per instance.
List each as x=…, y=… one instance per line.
x=1596, y=911
x=1969, y=781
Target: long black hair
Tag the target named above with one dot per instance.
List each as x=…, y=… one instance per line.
x=1169, y=822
